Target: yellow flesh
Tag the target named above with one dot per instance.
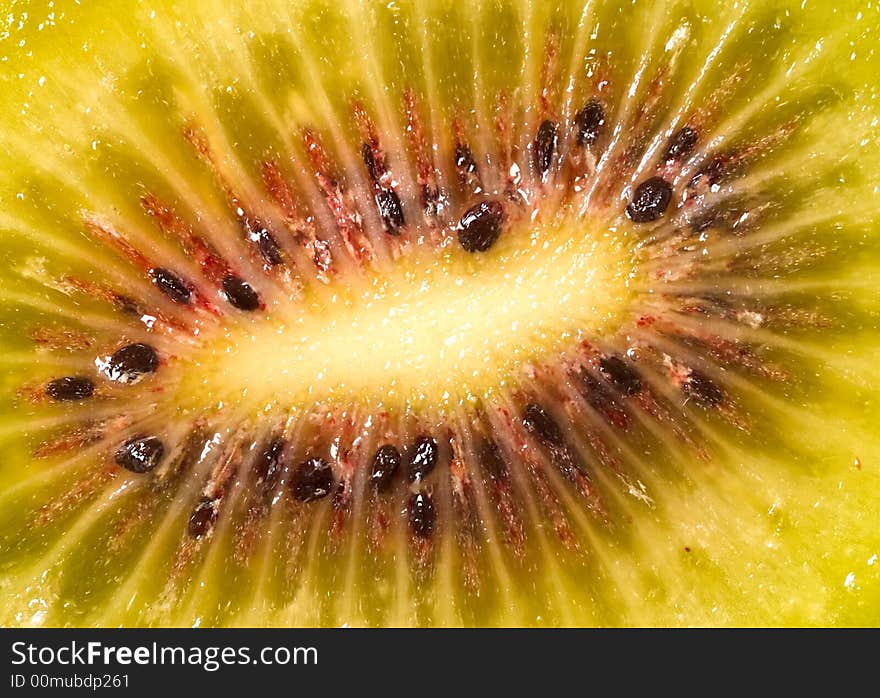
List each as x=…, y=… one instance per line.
x=427, y=330
x=772, y=540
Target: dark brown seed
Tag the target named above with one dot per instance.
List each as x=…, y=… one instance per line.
x=537, y=421
x=545, y=145
x=595, y=392
x=268, y=464
x=650, y=200
x=602, y=397
x=589, y=122
x=421, y=458
x=481, y=225
x=492, y=460
x=140, y=454
x=312, y=480
x=240, y=293
x=465, y=164
x=621, y=374
x=171, y=285
x=370, y=162
x=422, y=515
x=268, y=246
x=703, y=389
x=682, y=144
x=391, y=210
x=203, y=517
x=70, y=388
x=385, y=464
x=132, y=361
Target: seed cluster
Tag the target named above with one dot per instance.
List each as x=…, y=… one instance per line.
x=530, y=461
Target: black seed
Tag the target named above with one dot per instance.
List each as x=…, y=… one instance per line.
x=140, y=454
x=603, y=397
x=240, y=293
x=682, y=144
x=595, y=392
x=203, y=517
x=312, y=480
x=370, y=162
x=391, y=211
x=480, y=226
x=421, y=458
x=590, y=122
x=131, y=361
x=422, y=515
x=171, y=285
x=541, y=424
x=268, y=464
x=650, y=200
x=268, y=246
x=624, y=376
x=703, y=389
x=70, y=388
x=545, y=145
x=464, y=162
x=385, y=465
x=492, y=460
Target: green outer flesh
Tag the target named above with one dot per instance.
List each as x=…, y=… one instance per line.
x=775, y=538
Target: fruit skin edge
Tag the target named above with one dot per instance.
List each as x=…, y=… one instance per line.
x=849, y=590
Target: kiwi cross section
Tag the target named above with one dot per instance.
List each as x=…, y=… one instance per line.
x=409, y=313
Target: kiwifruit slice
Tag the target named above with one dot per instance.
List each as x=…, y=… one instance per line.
x=439, y=313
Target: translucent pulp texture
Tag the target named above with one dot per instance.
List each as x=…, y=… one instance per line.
x=447, y=331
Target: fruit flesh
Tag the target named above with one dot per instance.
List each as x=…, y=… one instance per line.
x=421, y=332
x=764, y=551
